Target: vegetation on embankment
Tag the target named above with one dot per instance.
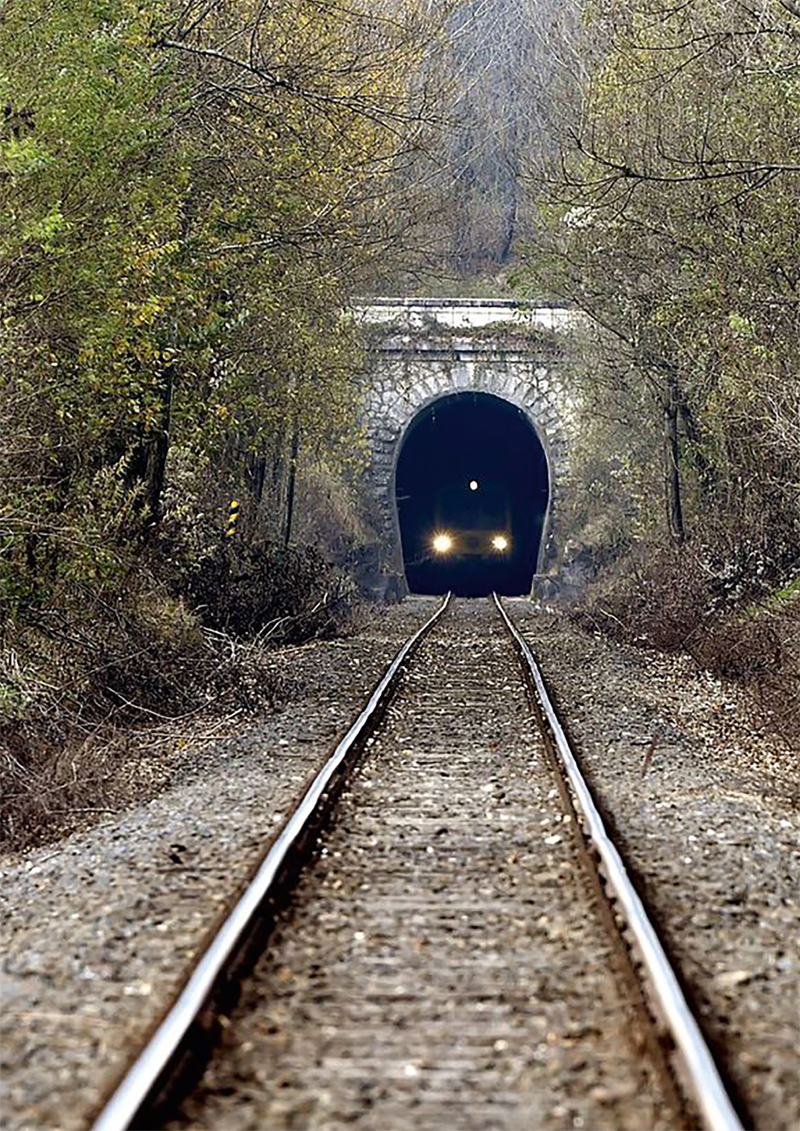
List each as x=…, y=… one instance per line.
x=670, y=217
x=688, y=601
x=103, y=692
x=189, y=194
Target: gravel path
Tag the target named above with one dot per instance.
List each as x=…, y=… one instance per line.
x=442, y=964
x=96, y=929
x=709, y=817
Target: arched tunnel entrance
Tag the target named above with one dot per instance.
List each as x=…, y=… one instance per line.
x=472, y=490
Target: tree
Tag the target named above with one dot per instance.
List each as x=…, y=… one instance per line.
x=189, y=195
x=671, y=222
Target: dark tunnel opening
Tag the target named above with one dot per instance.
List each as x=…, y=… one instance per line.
x=472, y=490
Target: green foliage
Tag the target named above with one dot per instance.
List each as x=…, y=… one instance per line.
x=786, y=594
x=182, y=218
x=672, y=221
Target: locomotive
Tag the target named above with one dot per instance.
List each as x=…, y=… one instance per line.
x=472, y=522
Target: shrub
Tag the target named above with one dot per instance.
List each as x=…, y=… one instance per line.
x=654, y=597
x=720, y=604
x=265, y=592
x=87, y=679
x=759, y=648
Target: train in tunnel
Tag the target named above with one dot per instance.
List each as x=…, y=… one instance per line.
x=470, y=543
x=472, y=492
x=472, y=520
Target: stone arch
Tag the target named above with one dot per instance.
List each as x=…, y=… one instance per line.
x=406, y=381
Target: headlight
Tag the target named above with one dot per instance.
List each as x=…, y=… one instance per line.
x=499, y=542
x=442, y=543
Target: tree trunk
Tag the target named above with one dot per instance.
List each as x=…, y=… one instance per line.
x=672, y=462
x=291, y=481
x=257, y=471
x=706, y=473
x=148, y=463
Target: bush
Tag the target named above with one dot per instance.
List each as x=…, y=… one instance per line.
x=655, y=597
x=266, y=592
x=95, y=679
x=157, y=639
x=759, y=648
x=719, y=604
x=90, y=677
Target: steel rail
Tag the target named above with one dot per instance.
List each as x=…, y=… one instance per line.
x=143, y=1075
x=709, y=1092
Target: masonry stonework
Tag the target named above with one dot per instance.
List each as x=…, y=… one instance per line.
x=424, y=350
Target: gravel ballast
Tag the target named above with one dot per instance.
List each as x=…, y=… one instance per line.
x=704, y=803
x=98, y=928
x=444, y=963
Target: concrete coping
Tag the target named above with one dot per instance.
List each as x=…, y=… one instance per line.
x=472, y=303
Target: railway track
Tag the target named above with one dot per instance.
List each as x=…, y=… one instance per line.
x=442, y=934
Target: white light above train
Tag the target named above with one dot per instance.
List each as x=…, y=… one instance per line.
x=473, y=484
x=499, y=542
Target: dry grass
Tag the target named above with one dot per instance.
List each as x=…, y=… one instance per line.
x=101, y=698
x=759, y=648
x=708, y=606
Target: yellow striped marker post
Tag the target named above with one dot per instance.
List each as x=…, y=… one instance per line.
x=232, y=519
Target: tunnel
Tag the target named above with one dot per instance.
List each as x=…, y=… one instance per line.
x=472, y=490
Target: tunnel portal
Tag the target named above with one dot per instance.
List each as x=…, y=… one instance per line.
x=472, y=491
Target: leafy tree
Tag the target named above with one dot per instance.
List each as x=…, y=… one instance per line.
x=189, y=194
x=671, y=222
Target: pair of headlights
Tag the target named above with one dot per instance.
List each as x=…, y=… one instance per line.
x=443, y=543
